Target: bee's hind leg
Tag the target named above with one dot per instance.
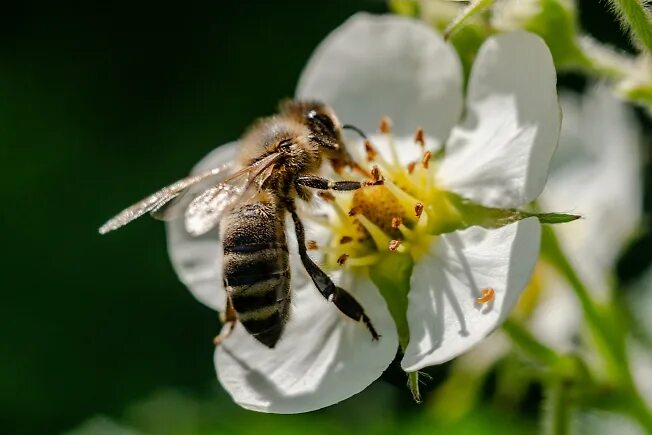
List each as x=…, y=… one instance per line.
x=228, y=318
x=342, y=299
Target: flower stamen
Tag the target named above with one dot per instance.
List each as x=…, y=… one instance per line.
x=418, y=209
x=418, y=138
x=488, y=294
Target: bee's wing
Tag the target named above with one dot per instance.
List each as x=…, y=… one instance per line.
x=206, y=210
x=158, y=199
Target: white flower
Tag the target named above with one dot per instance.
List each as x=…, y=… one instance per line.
x=497, y=156
x=596, y=173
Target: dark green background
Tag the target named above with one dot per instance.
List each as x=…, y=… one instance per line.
x=98, y=107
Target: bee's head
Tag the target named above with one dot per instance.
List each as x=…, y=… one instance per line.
x=320, y=118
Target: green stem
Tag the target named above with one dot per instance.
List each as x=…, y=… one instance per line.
x=529, y=345
x=607, y=343
x=635, y=18
x=473, y=8
x=557, y=410
x=604, y=326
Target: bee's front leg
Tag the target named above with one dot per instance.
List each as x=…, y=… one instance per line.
x=342, y=299
x=320, y=183
x=228, y=318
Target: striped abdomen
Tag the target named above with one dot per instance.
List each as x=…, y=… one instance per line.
x=256, y=270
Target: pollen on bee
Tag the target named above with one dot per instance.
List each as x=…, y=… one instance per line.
x=370, y=150
x=385, y=126
x=346, y=239
x=327, y=196
x=394, y=244
x=488, y=294
x=342, y=259
x=426, y=159
x=418, y=137
x=411, y=166
x=312, y=245
x=418, y=209
x=396, y=222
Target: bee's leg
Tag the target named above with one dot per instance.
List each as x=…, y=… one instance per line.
x=229, y=317
x=320, y=183
x=340, y=297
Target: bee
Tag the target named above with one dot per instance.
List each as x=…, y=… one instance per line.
x=279, y=159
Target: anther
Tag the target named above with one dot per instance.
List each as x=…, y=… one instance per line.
x=426, y=159
x=342, y=259
x=394, y=244
x=385, y=126
x=396, y=222
x=346, y=239
x=411, y=166
x=488, y=294
x=370, y=150
x=354, y=211
x=418, y=137
x=311, y=245
x=418, y=209
x=327, y=196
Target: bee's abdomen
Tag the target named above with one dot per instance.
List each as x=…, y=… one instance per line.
x=256, y=270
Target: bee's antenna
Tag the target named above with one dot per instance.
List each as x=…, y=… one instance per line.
x=356, y=129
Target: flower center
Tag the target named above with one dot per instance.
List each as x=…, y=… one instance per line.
x=402, y=216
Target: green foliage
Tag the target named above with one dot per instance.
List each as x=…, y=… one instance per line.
x=635, y=19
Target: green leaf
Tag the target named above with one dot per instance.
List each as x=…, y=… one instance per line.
x=555, y=218
x=475, y=7
x=392, y=277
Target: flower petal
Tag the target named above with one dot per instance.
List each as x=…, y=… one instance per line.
x=198, y=260
x=322, y=358
x=499, y=157
x=444, y=317
x=387, y=65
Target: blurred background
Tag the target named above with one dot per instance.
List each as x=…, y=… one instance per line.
x=99, y=106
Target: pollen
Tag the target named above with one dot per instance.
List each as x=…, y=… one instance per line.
x=378, y=205
x=399, y=210
x=418, y=209
x=342, y=259
x=418, y=138
x=488, y=295
x=426, y=159
x=370, y=150
x=327, y=196
x=385, y=125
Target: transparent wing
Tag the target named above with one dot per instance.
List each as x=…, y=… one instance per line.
x=206, y=210
x=156, y=200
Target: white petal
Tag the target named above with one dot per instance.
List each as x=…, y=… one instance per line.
x=322, y=358
x=596, y=173
x=499, y=157
x=443, y=316
x=198, y=260
x=387, y=65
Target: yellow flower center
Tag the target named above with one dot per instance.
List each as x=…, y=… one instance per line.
x=404, y=215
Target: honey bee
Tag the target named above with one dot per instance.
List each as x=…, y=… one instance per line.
x=279, y=158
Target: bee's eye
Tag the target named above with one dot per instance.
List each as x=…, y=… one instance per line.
x=324, y=121
x=285, y=143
